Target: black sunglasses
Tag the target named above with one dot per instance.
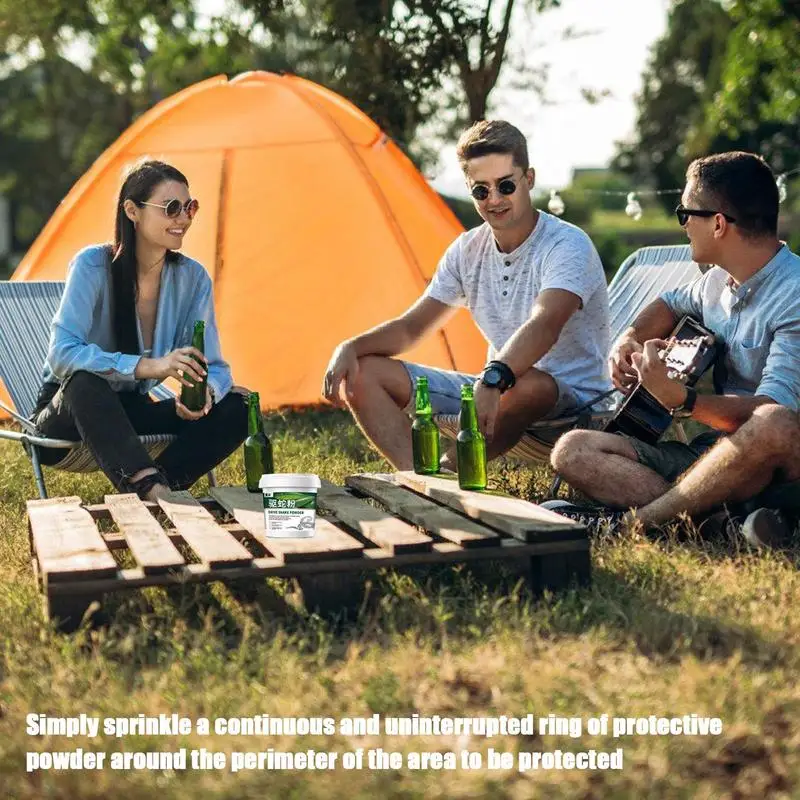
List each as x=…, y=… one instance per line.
x=683, y=214
x=174, y=207
x=480, y=191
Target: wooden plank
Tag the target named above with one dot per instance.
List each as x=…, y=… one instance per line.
x=374, y=558
x=117, y=541
x=518, y=518
x=378, y=526
x=419, y=511
x=151, y=547
x=66, y=541
x=328, y=541
x=100, y=510
x=214, y=545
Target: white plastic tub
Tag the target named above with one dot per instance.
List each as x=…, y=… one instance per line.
x=290, y=504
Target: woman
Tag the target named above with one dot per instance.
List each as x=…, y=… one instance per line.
x=125, y=319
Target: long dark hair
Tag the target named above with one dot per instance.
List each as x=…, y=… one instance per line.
x=138, y=186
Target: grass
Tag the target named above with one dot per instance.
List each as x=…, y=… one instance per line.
x=667, y=628
x=652, y=219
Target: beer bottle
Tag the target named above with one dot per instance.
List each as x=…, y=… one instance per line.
x=257, y=448
x=424, y=433
x=194, y=396
x=470, y=445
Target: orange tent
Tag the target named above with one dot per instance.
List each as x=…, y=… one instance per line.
x=313, y=225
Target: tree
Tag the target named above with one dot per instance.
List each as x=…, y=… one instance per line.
x=478, y=37
x=723, y=77
x=757, y=105
x=393, y=56
x=682, y=75
x=57, y=116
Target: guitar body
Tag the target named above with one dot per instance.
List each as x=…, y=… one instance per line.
x=641, y=415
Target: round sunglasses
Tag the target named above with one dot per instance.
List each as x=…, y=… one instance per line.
x=172, y=208
x=683, y=214
x=480, y=191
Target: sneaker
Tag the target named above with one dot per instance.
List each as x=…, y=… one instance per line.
x=767, y=528
x=591, y=516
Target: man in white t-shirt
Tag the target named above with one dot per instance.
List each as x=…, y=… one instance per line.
x=536, y=289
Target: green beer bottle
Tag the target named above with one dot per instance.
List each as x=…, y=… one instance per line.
x=424, y=433
x=194, y=397
x=257, y=449
x=470, y=445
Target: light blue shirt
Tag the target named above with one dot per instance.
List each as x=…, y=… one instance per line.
x=759, y=321
x=82, y=333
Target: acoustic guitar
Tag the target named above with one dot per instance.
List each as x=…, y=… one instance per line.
x=691, y=351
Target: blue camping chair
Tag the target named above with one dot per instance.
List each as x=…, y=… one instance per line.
x=26, y=311
x=643, y=276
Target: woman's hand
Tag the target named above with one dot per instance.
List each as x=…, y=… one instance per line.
x=191, y=416
x=178, y=364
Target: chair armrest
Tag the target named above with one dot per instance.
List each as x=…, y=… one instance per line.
x=37, y=440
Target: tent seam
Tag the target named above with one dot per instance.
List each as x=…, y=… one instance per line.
x=394, y=224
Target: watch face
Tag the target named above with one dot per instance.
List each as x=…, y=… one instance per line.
x=491, y=377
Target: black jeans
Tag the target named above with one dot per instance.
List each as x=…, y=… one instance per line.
x=109, y=423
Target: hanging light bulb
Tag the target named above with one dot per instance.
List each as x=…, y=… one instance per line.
x=781, y=182
x=555, y=205
x=633, y=209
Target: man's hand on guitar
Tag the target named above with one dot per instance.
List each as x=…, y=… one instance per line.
x=623, y=374
x=651, y=371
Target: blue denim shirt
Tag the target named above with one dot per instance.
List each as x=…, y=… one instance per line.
x=759, y=321
x=82, y=336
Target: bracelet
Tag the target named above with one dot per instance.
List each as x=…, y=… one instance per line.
x=686, y=408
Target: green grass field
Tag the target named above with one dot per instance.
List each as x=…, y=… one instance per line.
x=653, y=219
x=668, y=628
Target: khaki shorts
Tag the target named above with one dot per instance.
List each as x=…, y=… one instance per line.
x=671, y=459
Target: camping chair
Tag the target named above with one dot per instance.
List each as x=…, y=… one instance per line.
x=643, y=276
x=26, y=311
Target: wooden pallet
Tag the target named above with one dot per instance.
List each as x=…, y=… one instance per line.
x=374, y=521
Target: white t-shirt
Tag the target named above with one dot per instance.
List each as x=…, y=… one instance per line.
x=500, y=289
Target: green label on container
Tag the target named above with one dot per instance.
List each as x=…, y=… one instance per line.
x=299, y=500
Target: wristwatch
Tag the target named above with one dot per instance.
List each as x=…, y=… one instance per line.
x=686, y=408
x=498, y=375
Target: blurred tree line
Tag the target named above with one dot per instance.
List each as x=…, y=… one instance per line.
x=74, y=74
x=723, y=77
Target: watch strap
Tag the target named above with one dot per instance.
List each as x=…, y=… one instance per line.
x=687, y=407
x=507, y=377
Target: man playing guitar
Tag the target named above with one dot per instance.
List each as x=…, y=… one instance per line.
x=751, y=302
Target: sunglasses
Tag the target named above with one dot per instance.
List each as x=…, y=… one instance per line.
x=683, y=214
x=506, y=186
x=173, y=208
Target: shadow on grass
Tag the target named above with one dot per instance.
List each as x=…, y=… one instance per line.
x=644, y=603
x=442, y=606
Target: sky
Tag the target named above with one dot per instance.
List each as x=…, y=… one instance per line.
x=567, y=132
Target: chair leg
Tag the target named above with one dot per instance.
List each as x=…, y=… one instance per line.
x=554, y=487
x=212, y=478
x=37, y=472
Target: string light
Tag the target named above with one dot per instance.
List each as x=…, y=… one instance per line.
x=781, y=188
x=555, y=205
x=633, y=207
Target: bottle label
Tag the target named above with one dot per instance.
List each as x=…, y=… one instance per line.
x=290, y=514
